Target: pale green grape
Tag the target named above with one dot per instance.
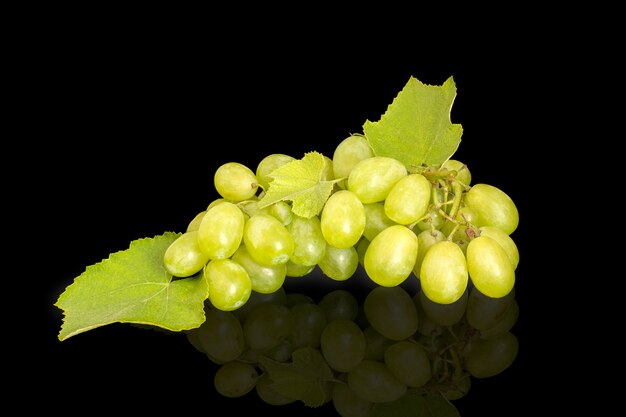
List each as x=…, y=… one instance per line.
x=463, y=174
x=268, y=165
x=493, y=206
x=372, y=178
x=375, y=220
x=235, y=379
x=295, y=270
x=267, y=326
x=328, y=174
x=183, y=257
x=308, y=323
x=339, y=263
x=361, y=249
x=264, y=279
x=408, y=199
x=504, y=240
x=339, y=304
x=267, y=240
x=282, y=211
x=221, y=230
x=391, y=256
x=342, y=219
x=267, y=394
x=504, y=323
x=425, y=239
x=489, y=357
x=343, y=345
x=220, y=335
x=349, y=151
x=374, y=382
x=391, y=311
x=444, y=314
x=309, y=242
x=216, y=202
x=490, y=268
x=409, y=363
x=443, y=275
x=194, y=224
x=375, y=344
x=485, y=312
x=347, y=403
x=235, y=181
x=229, y=284
x=251, y=207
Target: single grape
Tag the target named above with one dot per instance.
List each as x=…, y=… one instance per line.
x=490, y=357
x=409, y=363
x=443, y=275
x=183, y=258
x=221, y=230
x=267, y=240
x=268, y=164
x=194, y=224
x=339, y=264
x=235, y=181
x=264, y=279
x=375, y=220
x=504, y=240
x=391, y=256
x=282, y=211
x=391, y=311
x=490, y=268
x=342, y=219
x=463, y=174
x=309, y=242
x=229, y=284
x=347, y=154
x=373, y=381
x=408, y=199
x=425, y=239
x=372, y=178
x=434, y=221
x=235, y=379
x=343, y=345
x=493, y=206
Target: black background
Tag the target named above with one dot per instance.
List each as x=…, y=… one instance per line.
x=133, y=123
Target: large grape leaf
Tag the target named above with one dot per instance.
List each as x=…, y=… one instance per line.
x=133, y=286
x=416, y=128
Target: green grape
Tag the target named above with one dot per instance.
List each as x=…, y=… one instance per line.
x=464, y=216
x=194, y=224
x=391, y=311
x=493, y=206
x=443, y=275
x=267, y=240
x=342, y=219
x=282, y=211
x=391, y=256
x=328, y=174
x=504, y=324
x=339, y=304
x=375, y=220
x=409, y=363
x=215, y=202
x=361, y=249
x=221, y=230
x=343, y=345
x=463, y=174
x=183, y=257
x=265, y=279
x=375, y=344
x=235, y=181
x=349, y=151
x=251, y=207
x=309, y=242
x=489, y=357
x=374, y=382
x=347, y=403
x=484, y=312
x=408, y=199
x=445, y=314
x=229, y=284
x=339, y=264
x=235, y=379
x=425, y=239
x=269, y=395
x=372, y=178
x=267, y=326
x=295, y=270
x=268, y=165
x=308, y=323
x=434, y=221
x=256, y=298
x=504, y=240
x=489, y=267
x=220, y=335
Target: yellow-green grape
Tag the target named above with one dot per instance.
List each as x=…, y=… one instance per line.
x=342, y=219
x=339, y=264
x=267, y=240
x=506, y=241
x=265, y=279
x=295, y=270
x=216, y=202
x=235, y=379
x=425, y=239
x=361, y=249
x=251, y=207
x=235, y=181
x=444, y=274
x=391, y=255
x=268, y=165
x=229, y=284
x=408, y=199
x=194, y=224
x=349, y=151
x=463, y=174
x=375, y=220
x=392, y=312
x=221, y=230
x=489, y=267
x=493, y=206
x=309, y=242
x=373, y=381
x=282, y=211
x=409, y=363
x=328, y=173
x=372, y=178
x=489, y=357
x=342, y=344
x=183, y=257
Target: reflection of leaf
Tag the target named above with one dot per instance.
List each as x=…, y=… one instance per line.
x=416, y=127
x=301, y=182
x=414, y=405
x=307, y=378
x=133, y=286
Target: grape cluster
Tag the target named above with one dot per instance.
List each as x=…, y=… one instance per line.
x=377, y=349
x=395, y=221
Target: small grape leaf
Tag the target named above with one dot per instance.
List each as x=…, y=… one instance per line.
x=416, y=128
x=301, y=182
x=133, y=286
x=307, y=378
x=415, y=405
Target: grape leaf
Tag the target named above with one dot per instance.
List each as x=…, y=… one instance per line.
x=411, y=404
x=133, y=286
x=416, y=128
x=301, y=182
x=307, y=378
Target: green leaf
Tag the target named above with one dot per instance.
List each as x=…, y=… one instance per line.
x=415, y=405
x=300, y=181
x=307, y=378
x=416, y=127
x=133, y=286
